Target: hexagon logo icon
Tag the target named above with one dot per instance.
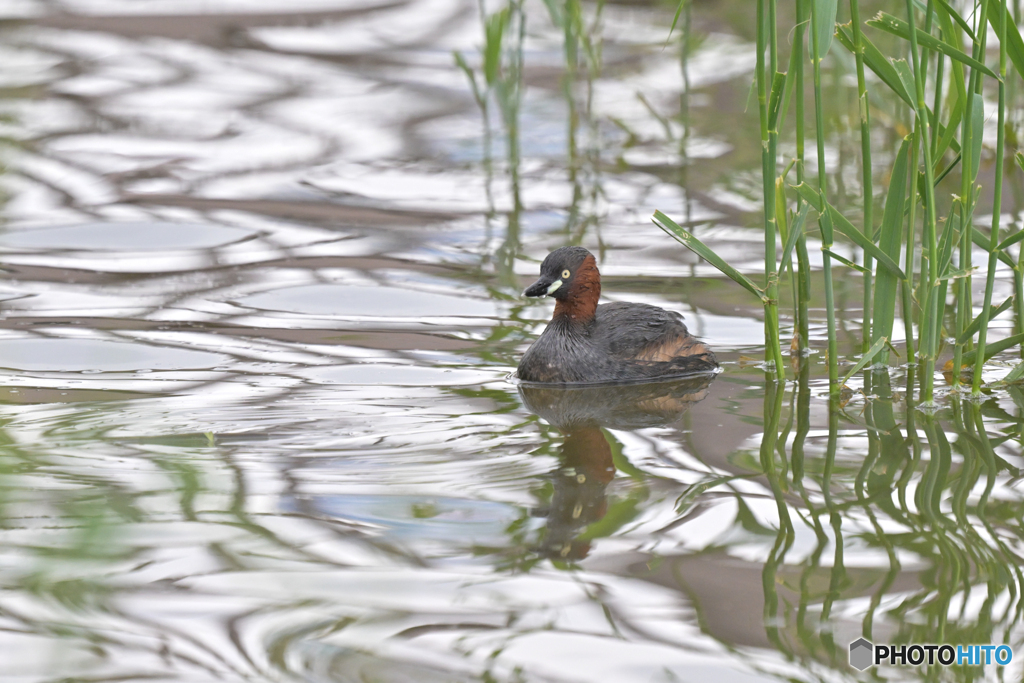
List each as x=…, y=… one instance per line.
x=861, y=654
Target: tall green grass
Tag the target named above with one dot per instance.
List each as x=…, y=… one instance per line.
x=931, y=69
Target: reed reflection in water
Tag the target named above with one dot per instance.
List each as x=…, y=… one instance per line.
x=893, y=524
x=881, y=521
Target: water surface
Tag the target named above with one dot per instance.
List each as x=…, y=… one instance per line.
x=262, y=299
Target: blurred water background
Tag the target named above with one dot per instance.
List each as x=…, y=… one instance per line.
x=261, y=297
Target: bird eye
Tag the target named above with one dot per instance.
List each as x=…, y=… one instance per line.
x=566, y=273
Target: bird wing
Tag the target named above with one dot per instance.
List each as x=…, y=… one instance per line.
x=631, y=330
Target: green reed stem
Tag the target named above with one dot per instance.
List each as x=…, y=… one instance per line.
x=773, y=348
x=1018, y=295
x=1018, y=272
x=940, y=64
x=933, y=142
x=865, y=165
x=923, y=289
x=964, y=309
x=931, y=320
x=997, y=199
x=907, y=286
x=803, y=263
x=824, y=221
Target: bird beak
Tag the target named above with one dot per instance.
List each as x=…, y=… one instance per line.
x=543, y=287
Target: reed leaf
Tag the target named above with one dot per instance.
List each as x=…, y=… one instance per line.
x=846, y=262
x=977, y=124
x=1011, y=240
x=866, y=358
x=906, y=76
x=982, y=241
x=955, y=274
x=946, y=171
x=826, y=227
x=706, y=253
x=975, y=325
x=877, y=62
x=1015, y=375
x=809, y=194
x=992, y=348
x=824, y=20
x=903, y=72
x=847, y=228
x=945, y=251
x=494, y=31
x=900, y=28
x=1014, y=43
x=794, y=233
x=675, y=19
x=842, y=225
x=952, y=36
x=890, y=242
x=461, y=62
x=947, y=134
x=775, y=100
x=945, y=6
x=781, y=214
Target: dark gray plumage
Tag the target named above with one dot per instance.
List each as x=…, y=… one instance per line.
x=615, y=342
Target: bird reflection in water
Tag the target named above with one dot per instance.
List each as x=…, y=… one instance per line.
x=586, y=466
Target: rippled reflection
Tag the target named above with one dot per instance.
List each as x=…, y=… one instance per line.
x=262, y=292
x=578, y=507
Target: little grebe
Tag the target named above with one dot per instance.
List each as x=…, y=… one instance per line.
x=620, y=341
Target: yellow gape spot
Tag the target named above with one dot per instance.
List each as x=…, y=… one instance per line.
x=553, y=287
